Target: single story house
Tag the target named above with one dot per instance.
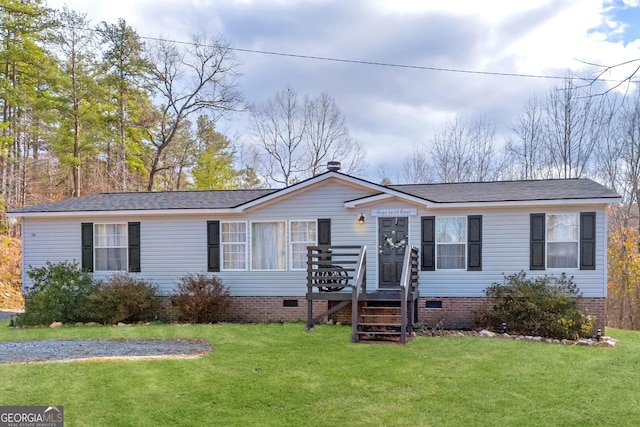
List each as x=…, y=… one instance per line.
x=468, y=236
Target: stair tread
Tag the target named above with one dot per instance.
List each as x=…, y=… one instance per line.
x=379, y=324
x=379, y=333
x=380, y=315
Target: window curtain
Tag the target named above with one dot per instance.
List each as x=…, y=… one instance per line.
x=111, y=247
x=268, y=246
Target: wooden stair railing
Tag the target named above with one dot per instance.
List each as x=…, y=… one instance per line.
x=332, y=269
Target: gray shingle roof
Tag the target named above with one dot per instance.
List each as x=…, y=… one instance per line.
x=509, y=191
x=150, y=201
x=478, y=192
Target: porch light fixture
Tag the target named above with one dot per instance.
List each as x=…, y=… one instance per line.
x=361, y=218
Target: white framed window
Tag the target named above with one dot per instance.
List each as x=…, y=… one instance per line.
x=269, y=245
x=233, y=243
x=301, y=235
x=451, y=243
x=562, y=239
x=111, y=248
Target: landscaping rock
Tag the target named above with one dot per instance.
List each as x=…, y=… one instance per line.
x=55, y=325
x=587, y=342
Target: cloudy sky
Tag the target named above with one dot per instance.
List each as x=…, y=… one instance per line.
x=454, y=49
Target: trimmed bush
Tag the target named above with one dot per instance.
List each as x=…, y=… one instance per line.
x=60, y=293
x=201, y=299
x=124, y=298
x=545, y=306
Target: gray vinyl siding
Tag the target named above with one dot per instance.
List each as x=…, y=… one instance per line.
x=173, y=246
x=505, y=250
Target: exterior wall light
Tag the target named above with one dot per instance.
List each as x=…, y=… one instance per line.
x=361, y=219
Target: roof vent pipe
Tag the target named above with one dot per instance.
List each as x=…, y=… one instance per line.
x=334, y=166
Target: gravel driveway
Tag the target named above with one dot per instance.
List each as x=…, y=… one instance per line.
x=60, y=350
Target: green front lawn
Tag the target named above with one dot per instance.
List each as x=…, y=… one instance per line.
x=271, y=375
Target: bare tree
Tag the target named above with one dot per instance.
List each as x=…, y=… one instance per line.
x=571, y=131
x=295, y=139
x=463, y=151
x=327, y=137
x=416, y=168
x=279, y=128
x=487, y=159
x=450, y=153
x=197, y=79
x=611, y=143
x=525, y=150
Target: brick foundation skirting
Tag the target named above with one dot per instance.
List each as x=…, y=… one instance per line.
x=452, y=312
x=273, y=309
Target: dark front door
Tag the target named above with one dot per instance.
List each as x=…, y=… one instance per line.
x=392, y=239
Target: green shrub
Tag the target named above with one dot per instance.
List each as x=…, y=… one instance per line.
x=124, y=298
x=201, y=299
x=543, y=306
x=59, y=294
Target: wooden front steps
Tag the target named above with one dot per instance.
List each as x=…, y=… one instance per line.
x=337, y=276
x=380, y=322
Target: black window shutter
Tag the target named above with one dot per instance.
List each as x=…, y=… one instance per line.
x=213, y=245
x=474, y=242
x=537, y=250
x=324, y=231
x=134, y=247
x=87, y=246
x=587, y=240
x=428, y=243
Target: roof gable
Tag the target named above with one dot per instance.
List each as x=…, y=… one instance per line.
x=331, y=176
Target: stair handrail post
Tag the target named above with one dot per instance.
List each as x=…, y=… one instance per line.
x=405, y=286
x=312, y=255
x=361, y=268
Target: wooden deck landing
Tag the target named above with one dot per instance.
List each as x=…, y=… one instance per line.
x=378, y=295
